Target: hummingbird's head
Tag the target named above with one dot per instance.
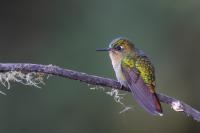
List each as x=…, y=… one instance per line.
x=119, y=48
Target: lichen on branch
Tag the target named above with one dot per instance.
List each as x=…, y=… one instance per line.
x=30, y=78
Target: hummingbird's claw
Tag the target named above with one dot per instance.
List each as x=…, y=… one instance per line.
x=121, y=87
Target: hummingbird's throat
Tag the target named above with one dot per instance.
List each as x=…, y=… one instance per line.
x=116, y=58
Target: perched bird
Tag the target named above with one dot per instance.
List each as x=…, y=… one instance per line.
x=134, y=70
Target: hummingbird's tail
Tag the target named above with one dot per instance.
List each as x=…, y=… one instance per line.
x=157, y=104
x=148, y=100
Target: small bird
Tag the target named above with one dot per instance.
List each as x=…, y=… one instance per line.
x=134, y=70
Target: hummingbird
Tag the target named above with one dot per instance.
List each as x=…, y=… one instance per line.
x=134, y=70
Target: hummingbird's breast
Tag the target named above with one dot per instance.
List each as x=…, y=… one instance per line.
x=116, y=63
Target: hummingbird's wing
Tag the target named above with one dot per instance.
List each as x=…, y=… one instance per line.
x=143, y=93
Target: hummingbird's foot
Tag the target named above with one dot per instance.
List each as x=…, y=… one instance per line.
x=121, y=87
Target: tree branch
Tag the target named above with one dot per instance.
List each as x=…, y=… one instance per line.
x=177, y=105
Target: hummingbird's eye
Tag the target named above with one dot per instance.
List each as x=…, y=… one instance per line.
x=119, y=48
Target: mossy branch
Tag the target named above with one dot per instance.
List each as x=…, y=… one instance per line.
x=27, y=68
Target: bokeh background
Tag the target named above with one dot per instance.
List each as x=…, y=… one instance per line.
x=67, y=32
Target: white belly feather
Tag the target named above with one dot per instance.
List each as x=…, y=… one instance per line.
x=116, y=63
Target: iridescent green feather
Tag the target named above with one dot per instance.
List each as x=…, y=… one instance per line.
x=143, y=65
x=146, y=69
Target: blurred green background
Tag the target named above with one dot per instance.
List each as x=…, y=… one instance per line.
x=67, y=32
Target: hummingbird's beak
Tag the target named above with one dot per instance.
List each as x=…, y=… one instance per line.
x=106, y=49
